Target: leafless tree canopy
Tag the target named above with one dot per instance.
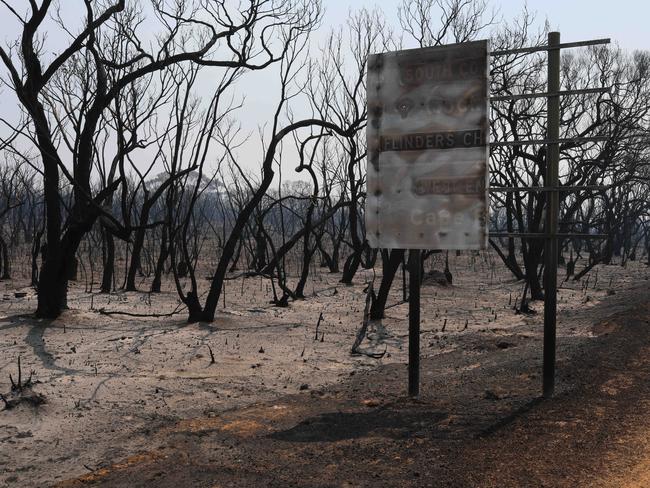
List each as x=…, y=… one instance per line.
x=117, y=161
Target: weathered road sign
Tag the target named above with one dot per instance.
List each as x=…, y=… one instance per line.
x=428, y=148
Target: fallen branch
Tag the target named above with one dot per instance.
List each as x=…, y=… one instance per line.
x=320, y=318
x=103, y=311
x=370, y=296
x=396, y=304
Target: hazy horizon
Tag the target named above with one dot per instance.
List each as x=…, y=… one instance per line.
x=576, y=20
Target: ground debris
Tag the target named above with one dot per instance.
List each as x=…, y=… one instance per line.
x=26, y=396
x=21, y=392
x=490, y=395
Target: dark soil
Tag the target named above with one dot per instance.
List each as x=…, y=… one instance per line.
x=479, y=422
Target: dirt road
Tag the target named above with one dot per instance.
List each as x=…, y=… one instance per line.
x=478, y=423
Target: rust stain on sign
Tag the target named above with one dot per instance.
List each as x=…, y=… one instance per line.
x=448, y=186
x=428, y=148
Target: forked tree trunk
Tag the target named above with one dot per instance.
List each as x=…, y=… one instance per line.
x=53, y=279
x=351, y=266
x=391, y=262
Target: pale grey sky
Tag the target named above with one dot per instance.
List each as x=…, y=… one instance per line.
x=625, y=21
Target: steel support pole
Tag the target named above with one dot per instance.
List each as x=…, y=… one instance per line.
x=404, y=294
x=414, y=322
x=552, y=213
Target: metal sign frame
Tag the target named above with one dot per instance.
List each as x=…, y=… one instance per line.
x=552, y=187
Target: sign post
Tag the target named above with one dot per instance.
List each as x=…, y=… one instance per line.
x=552, y=183
x=427, y=164
x=415, y=263
x=552, y=213
x=427, y=178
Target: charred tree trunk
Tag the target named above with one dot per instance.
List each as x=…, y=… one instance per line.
x=334, y=267
x=260, y=249
x=278, y=254
x=307, y=253
x=36, y=250
x=207, y=313
x=391, y=262
x=4, y=256
x=109, y=262
x=53, y=281
x=160, y=263
x=331, y=262
x=511, y=258
x=236, y=258
x=351, y=266
x=136, y=252
x=532, y=260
